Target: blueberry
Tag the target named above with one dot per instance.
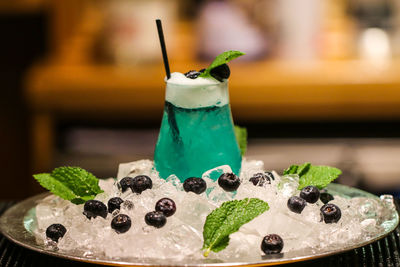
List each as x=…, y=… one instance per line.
x=166, y=206
x=94, y=208
x=141, y=183
x=330, y=213
x=229, y=181
x=325, y=197
x=195, y=185
x=192, y=74
x=55, y=231
x=262, y=178
x=296, y=204
x=310, y=194
x=272, y=244
x=125, y=183
x=114, y=203
x=156, y=219
x=221, y=72
x=121, y=223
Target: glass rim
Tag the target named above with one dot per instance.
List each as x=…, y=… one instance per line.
x=225, y=82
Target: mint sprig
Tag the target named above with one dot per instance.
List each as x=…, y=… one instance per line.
x=241, y=138
x=70, y=183
x=221, y=59
x=319, y=176
x=227, y=219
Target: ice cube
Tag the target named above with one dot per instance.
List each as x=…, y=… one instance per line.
x=216, y=172
x=288, y=185
x=132, y=169
x=251, y=167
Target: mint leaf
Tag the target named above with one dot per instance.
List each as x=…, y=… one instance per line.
x=53, y=185
x=303, y=169
x=291, y=170
x=241, y=137
x=70, y=183
x=319, y=176
x=221, y=59
x=227, y=219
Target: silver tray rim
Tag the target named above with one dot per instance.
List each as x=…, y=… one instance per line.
x=14, y=228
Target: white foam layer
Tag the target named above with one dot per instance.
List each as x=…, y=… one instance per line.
x=196, y=93
x=180, y=78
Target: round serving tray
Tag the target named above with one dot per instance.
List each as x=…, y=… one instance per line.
x=19, y=222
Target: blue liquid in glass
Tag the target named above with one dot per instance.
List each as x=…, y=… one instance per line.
x=192, y=141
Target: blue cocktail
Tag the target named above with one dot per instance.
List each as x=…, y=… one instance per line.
x=197, y=132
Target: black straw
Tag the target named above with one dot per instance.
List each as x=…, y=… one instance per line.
x=163, y=48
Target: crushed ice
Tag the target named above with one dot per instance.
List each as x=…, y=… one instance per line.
x=181, y=237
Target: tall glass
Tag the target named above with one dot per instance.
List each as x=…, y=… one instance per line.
x=197, y=132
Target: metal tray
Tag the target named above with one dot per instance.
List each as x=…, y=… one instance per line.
x=18, y=223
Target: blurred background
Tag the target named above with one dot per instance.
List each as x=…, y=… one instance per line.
x=82, y=82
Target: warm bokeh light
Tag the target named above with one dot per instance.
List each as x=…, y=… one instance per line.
x=84, y=81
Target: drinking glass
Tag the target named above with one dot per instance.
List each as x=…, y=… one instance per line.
x=197, y=132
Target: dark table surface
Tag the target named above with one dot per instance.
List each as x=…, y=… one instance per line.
x=385, y=252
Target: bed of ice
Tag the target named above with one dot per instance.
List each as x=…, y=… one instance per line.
x=181, y=238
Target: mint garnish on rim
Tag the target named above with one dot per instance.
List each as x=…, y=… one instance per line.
x=70, y=183
x=227, y=219
x=319, y=176
x=221, y=59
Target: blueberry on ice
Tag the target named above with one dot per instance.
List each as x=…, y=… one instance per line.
x=221, y=72
x=94, y=208
x=166, y=206
x=125, y=183
x=296, y=204
x=270, y=175
x=156, y=219
x=121, y=223
x=229, y=181
x=262, y=178
x=310, y=194
x=331, y=213
x=325, y=197
x=141, y=183
x=114, y=203
x=195, y=185
x=272, y=244
x=55, y=231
